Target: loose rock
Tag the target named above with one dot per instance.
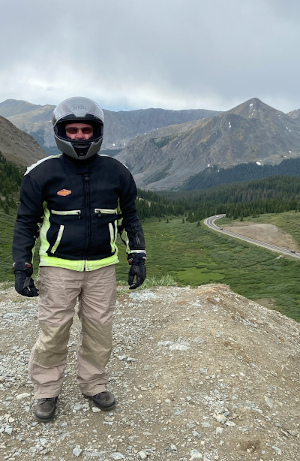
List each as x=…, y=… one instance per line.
x=197, y=373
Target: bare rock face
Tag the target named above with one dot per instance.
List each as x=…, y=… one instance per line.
x=250, y=132
x=198, y=373
x=17, y=146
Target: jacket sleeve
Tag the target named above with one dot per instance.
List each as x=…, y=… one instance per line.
x=30, y=213
x=131, y=224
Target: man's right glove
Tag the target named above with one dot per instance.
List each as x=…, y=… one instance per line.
x=24, y=284
x=137, y=269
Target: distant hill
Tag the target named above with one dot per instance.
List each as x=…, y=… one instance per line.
x=120, y=127
x=243, y=172
x=13, y=107
x=17, y=146
x=251, y=132
x=33, y=119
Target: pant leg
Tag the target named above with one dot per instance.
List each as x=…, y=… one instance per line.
x=59, y=289
x=96, y=308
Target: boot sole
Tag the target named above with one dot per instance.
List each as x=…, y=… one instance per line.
x=110, y=407
x=44, y=420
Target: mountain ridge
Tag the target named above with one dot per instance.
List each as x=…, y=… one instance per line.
x=17, y=146
x=164, y=149
x=251, y=132
x=120, y=127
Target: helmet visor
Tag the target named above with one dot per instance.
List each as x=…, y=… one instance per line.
x=60, y=129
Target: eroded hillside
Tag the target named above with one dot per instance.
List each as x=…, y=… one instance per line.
x=18, y=146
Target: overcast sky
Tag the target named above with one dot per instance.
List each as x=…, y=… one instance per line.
x=136, y=54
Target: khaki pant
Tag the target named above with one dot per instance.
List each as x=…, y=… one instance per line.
x=59, y=291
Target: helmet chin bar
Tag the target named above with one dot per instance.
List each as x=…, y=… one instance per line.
x=81, y=149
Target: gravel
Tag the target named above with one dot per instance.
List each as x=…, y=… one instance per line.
x=197, y=373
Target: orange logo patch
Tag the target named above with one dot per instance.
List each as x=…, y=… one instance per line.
x=64, y=192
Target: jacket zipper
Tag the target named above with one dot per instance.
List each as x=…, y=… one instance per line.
x=100, y=211
x=67, y=213
x=87, y=202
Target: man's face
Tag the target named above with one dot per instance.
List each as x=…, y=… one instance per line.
x=79, y=130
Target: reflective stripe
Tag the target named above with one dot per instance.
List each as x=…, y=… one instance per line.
x=43, y=231
x=116, y=234
x=78, y=265
x=105, y=211
x=125, y=240
x=112, y=237
x=66, y=213
x=58, y=239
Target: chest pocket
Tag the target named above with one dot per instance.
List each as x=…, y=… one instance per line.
x=105, y=211
x=67, y=213
x=112, y=224
x=60, y=232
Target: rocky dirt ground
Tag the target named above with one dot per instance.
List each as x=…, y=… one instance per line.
x=198, y=374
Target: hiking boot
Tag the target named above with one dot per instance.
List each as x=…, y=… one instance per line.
x=45, y=409
x=104, y=400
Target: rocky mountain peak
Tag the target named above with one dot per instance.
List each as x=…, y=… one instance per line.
x=250, y=132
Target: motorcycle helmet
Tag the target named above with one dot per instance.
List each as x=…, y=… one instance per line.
x=78, y=110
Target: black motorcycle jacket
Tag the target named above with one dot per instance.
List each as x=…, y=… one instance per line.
x=77, y=209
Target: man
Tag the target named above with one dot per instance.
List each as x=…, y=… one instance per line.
x=76, y=202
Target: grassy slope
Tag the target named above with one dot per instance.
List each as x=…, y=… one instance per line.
x=194, y=255
x=6, y=230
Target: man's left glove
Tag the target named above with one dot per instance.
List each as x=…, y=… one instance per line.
x=24, y=284
x=137, y=272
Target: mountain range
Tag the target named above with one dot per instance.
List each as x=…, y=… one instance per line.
x=250, y=132
x=164, y=149
x=120, y=127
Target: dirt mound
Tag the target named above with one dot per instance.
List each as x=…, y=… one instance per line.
x=198, y=374
x=266, y=233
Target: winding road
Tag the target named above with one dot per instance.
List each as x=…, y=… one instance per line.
x=210, y=222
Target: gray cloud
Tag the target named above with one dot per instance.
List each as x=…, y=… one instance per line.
x=174, y=54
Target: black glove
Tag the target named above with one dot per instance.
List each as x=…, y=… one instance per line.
x=24, y=284
x=137, y=270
